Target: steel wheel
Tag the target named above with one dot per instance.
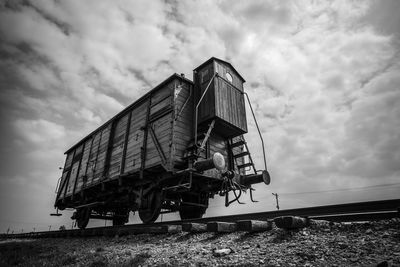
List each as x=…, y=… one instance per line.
x=82, y=217
x=151, y=207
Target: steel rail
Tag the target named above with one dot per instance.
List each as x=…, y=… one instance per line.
x=359, y=211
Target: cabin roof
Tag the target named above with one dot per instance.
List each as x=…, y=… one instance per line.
x=137, y=102
x=223, y=61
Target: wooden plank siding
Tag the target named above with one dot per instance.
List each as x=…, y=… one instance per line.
x=71, y=181
x=161, y=123
x=230, y=104
x=206, y=109
x=183, y=122
x=135, y=139
x=117, y=146
x=99, y=157
x=84, y=165
x=101, y=154
x=223, y=69
x=223, y=100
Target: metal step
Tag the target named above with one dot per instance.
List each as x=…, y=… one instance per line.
x=241, y=154
x=245, y=165
x=239, y=143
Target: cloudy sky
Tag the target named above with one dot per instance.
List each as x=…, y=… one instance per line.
x=323, y=78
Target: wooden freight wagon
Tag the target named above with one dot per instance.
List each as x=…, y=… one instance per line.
x=171, y=150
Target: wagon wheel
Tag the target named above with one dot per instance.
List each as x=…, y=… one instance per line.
x=191, y=211
x=82, y=217
x=151, y=207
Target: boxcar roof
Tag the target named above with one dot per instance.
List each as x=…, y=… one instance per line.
x=223, y=61
x=158, y=87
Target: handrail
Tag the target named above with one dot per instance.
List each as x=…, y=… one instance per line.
x=198, y=104
x=258, y=129
x=251, y=108
x=184, y=104
x=254, y=117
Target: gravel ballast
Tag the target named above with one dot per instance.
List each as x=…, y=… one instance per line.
x=321, y=244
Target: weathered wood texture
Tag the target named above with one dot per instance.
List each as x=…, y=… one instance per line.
x=99, y=157
x=254, y=225
x=222, y=227
x=194, y=227
x=156, y=130
x=183, y=120
x=223, y=100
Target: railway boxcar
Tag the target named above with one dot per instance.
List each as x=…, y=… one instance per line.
x=171, y=150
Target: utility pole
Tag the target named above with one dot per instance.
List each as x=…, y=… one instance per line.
x=277, y=200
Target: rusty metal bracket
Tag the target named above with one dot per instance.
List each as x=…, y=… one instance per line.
x=201, y=147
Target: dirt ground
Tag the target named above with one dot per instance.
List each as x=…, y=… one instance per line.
x=321, y=244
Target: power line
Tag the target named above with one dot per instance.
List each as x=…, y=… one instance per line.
x=325, y=191
x=342, y=189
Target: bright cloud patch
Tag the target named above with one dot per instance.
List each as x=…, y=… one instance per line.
x=39, y=131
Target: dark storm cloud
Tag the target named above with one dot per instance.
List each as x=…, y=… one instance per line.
x=384, y=16
x=63, y=27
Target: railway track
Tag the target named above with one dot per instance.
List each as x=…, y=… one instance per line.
x=350, y=212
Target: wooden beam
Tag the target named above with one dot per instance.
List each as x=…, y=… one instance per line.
x=253, y=225
x=128, y=127
x=194, y=227
x=143, y=149
x=291, y=222
x=174, y=228
x=221, y=227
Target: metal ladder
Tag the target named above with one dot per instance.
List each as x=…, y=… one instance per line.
x=246, y=152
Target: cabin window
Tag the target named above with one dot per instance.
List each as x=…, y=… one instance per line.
x=228, y=77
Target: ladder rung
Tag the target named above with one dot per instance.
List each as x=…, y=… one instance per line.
x=239, y=143
x=245, y=165
x=241, y=154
